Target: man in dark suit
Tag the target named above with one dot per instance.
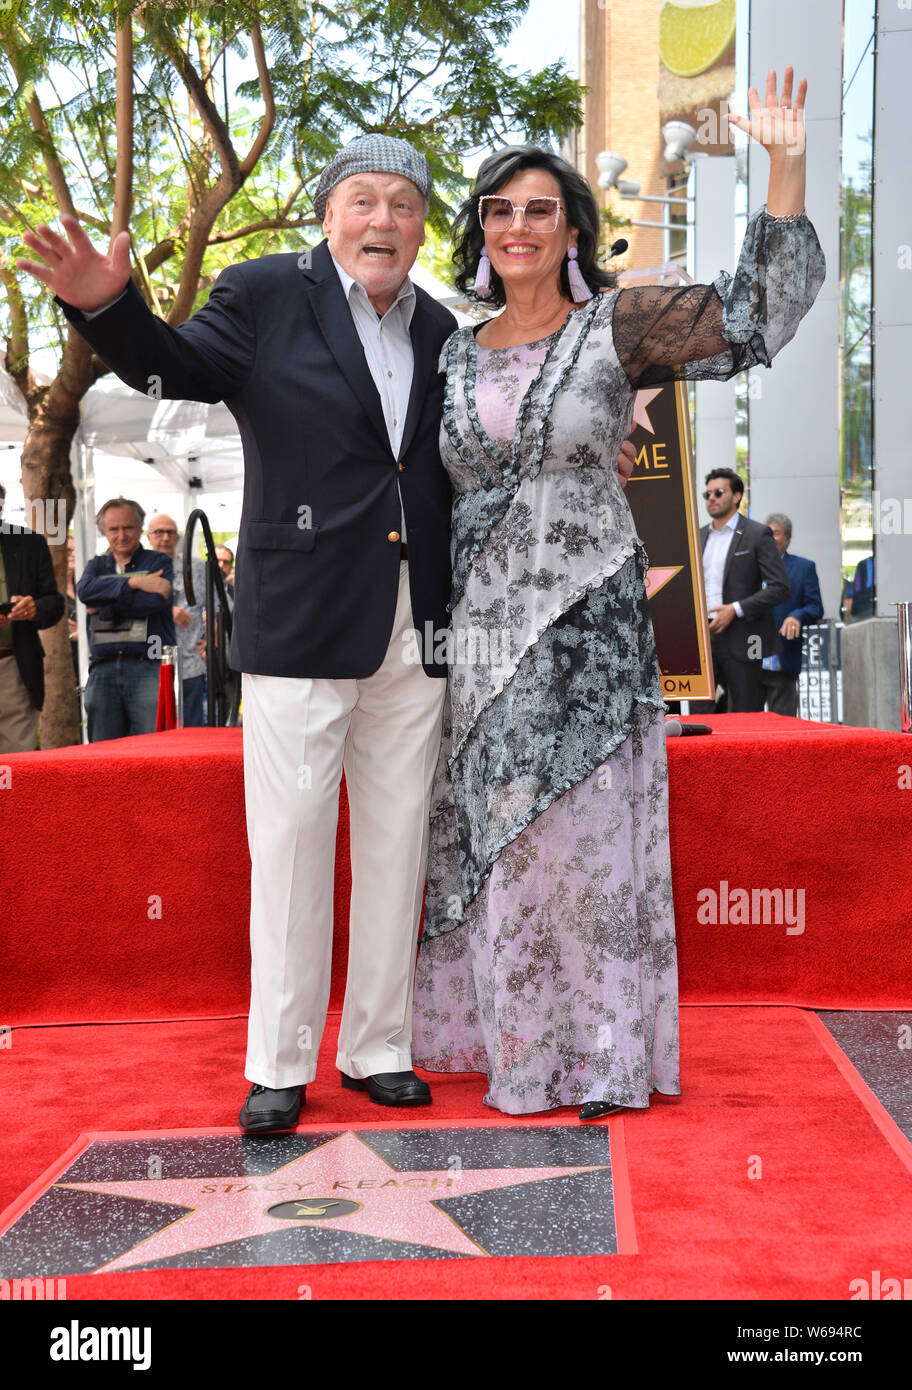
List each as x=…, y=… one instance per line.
x=29, y=601
x=779, y=677
x=328, y=362
x=744, y=578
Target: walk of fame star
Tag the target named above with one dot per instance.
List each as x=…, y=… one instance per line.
x=322, y=1198
x=657, y=577
x=641, y=403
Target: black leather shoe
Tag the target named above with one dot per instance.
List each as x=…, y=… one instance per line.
x=391, y=1087
x=597, y=1109
x=265, y=1111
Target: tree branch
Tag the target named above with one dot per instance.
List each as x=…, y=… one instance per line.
x=17, y=344
x=267, y=224
x=256, y=149
x=203, y=216
x=123, y=177
x=62, y=195
x=208, y=112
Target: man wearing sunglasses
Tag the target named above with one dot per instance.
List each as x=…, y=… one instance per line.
x=745, y=579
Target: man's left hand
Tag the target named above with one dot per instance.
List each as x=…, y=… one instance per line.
x=791, y=629
x=723, y=616
x=24, y=609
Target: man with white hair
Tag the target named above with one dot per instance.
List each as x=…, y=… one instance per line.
x=328, y=362
x=780, y=673
x=127, y=593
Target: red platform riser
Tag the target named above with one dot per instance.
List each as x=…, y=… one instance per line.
x=124, y=886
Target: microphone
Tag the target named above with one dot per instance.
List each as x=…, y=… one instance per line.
x=675, y=729
x=618, y=248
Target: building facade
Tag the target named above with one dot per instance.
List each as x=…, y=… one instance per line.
x=819, y=437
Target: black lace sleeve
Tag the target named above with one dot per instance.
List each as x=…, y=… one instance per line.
x=710, y=332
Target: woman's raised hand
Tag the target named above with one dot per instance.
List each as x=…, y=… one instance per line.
x=74, y=270
x=779, y=124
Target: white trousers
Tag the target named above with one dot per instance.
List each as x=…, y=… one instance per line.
x=298, y=736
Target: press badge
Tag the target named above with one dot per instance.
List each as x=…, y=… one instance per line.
x=119, y=630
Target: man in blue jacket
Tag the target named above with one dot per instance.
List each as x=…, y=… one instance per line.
x=128, y=596
x=779, y=677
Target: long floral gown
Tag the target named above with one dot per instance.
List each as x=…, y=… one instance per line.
x=548, y=956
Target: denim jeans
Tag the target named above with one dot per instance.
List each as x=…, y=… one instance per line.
x=195, y=701
x=121, y=698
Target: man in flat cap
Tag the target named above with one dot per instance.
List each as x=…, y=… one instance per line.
x=328, y=362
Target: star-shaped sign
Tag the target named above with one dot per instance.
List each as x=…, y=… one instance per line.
x=657, y=577
x=344, y=1175
x=641, y=402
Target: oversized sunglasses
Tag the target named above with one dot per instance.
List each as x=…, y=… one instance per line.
x=539, y=214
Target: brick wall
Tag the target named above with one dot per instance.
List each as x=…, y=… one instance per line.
x=619, y=62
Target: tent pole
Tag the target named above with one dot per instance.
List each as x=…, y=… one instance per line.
x=84, y=538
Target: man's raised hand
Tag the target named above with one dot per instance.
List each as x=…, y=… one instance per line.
x=74, y=270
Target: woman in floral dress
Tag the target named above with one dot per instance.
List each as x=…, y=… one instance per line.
x=548, y=957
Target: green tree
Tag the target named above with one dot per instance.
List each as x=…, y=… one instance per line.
x=203, y=127
x=856, y=434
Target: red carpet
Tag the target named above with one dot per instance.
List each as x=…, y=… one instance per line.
x=776, y=804
x=832, y=1202
x=132, y=855
x=131, y=858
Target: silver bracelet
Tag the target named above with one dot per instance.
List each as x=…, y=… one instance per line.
x=787, y=217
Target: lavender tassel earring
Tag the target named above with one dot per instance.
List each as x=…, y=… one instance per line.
x=578, y=287
x=482, y=288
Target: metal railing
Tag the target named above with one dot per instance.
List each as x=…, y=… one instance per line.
x=904, y=622
x=223, y=686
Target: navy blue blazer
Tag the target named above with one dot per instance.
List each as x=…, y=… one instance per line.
x=316, y=575
x=804, y=603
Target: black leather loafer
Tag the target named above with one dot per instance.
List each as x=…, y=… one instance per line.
x=265, y=1111
x=391, y=1087
x=598, y=1109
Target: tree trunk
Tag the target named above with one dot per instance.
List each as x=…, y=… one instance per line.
x=50, y=503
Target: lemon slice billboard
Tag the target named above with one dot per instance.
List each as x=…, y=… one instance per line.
x=693, y=35
x=697, y=67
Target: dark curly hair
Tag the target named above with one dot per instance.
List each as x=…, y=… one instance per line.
x=734, y=480
x=576, y=195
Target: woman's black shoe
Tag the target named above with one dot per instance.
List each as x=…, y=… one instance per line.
x=596, y=1109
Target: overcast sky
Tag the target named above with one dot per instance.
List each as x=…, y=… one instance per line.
x=549, y=31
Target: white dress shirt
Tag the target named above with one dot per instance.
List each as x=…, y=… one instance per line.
x=715, y=552
x=388, y=349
